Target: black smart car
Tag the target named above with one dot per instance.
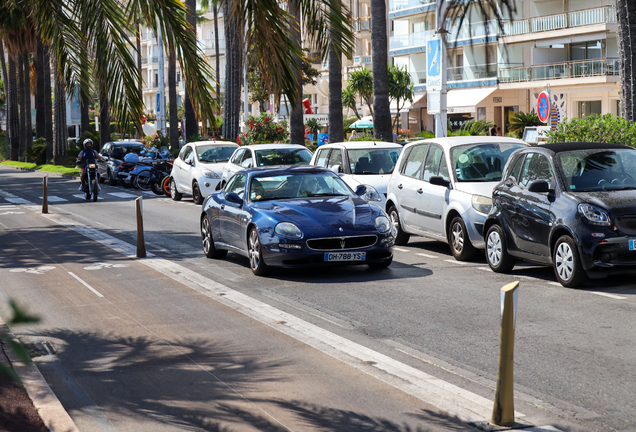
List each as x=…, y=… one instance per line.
x=570, y=205
x=113, y=155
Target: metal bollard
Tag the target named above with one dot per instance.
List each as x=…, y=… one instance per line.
x=141, y=244
x=45, y=200
x=503, y=413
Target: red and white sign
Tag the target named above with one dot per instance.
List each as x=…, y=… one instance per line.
x=543, y=106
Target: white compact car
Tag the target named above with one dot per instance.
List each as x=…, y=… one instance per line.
x=198, y=168
x=442, y=189
x=369, y=163
x=256, y=155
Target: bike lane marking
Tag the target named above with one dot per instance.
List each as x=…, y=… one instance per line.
x=97, y=293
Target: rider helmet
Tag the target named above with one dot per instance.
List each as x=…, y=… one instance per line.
x=88, y=142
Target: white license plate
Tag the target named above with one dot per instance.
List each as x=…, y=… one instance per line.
x=345, y=256
x=632, y=245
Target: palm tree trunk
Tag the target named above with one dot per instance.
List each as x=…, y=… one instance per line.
x=13, y=118
x=40, y=130
x=140, y=84
x=296, y=123
x=172, y=98
x=48, y=104
x=233, y=74
x=28, y=139
x=336, y=131
x=23, y=113
x=104, y=116
x=191, y=125
x=626, y=13
x=215, y=11
x=6, y=85
x=60, y=138
x=379, y=46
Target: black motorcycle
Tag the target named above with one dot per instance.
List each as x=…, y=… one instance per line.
x=152, y=179
x=91, y=187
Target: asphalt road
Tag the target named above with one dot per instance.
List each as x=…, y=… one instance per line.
x=427, y=314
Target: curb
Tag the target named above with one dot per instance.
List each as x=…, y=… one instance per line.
x=69, y=176
x=48, y=406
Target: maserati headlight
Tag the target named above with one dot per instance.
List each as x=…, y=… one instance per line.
x=288, y=230
x=210, y=174
x=482, y=204
x=382, y=224
x=372, y=194
x=594, y=215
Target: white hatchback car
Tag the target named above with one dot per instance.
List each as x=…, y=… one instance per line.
x=369, y=163
x=442, y=189
x=198, y=168
x=256, y=155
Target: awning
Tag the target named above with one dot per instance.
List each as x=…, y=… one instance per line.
x=466, y=100
x=417, y=98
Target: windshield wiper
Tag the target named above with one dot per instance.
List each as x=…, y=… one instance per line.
x=326, y=194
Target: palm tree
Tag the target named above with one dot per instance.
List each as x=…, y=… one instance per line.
x=296, y=122
x=349, y=100
x=380, y=57
x=233, y=72
x=400, y=89
x=361, y=82
x=626, y=14
x=336, y=131
x=191, y=123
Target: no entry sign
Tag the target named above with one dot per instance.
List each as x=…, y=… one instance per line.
x=543, y=106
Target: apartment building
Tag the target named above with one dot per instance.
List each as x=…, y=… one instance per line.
x=568, y=45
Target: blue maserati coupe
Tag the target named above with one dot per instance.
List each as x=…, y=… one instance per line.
x=295, y=216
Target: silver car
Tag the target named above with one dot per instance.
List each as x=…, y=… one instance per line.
x=442, y=189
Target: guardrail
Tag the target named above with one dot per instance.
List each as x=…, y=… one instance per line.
x=599, y=15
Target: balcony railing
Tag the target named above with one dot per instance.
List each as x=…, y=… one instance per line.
x=411, y=40
x=209, y=46
x=396, y=5
x=600, y=15
x=155, y=59
x=474, y=72
x=472, y=31
x=361, y=59
x=572, y=69
x=362, y=24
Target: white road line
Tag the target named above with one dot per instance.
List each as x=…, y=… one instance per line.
x=445, y=396
x=425, y=255
x=83, y=196
x=555, y=284
x=456, y=262
x=86, y=285
x=613, y=296
x=123, y=195
x=400, y=249
x=485, y=268
x=53, y=198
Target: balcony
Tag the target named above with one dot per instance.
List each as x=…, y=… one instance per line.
x=473, y=32
x=565, y=20
x=210, y=49
x=155, y=59
x=358, y=60
x=562, y=70
x=474, y=72
x=362, y=24
x=412, y=40
x=398, y=5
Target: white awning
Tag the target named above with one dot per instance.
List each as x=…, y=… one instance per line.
x=466, y=100
x=417, y=98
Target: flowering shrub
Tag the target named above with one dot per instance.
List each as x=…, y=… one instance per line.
x=404, y=133
x=263, y=129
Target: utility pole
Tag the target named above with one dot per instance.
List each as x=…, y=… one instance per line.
x=436, y=72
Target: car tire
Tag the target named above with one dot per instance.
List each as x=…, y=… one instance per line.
x=196, y=194
x=112, y=181
x=208, y=242
x=382, y=264
x=401, y=237
x=567, y=264
x=165, y=185
x=174, y=194
x=255, y=253
x=497, y=255
x=461, y=247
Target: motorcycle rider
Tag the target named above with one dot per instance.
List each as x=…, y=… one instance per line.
x=86, y=156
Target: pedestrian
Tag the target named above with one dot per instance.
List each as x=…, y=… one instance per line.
x=493, y=131
x=353, y=135
x=498, y=131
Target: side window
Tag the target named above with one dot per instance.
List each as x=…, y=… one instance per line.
x=536, y=167
x=236, y=159
x=443, y=168
x=246, y=160
x=321, y=159
x=335, y=158
x=431, y=167
x=237, y=185
x=188, y=155
x=414, y=161
x=516, y=170
x=105, y=149
x=182, y=152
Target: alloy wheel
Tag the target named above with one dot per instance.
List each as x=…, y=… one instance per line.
x=206, y=235
x=564, y=262
x=255, y=250
x=493, y=248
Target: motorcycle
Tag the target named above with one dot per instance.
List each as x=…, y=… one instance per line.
x=133, y=166
x=91, y=188
x=152, y=179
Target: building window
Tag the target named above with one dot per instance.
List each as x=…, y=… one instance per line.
x=588, y=108
x=178, y=77
x=481, y=113
x=586, y=50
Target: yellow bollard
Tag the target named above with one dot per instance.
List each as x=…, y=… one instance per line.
x=45, y=200
x=503, y=413
x=141, y=244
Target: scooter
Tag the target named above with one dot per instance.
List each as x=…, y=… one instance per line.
x=151, y=179
x=91, y=187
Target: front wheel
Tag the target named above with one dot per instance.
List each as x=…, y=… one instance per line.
x=196, y=194
x=112, y=180
x=461, y=247
x=142, y=181
x=497, y=255
x=209, y=249
x=94, y=188
x=401, y=237
x=567, y=264
x=156, y=187
x=176, y=196
x=255, y=252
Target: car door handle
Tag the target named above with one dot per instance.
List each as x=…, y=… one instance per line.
x=419, y=191
x=400, y=186
x=222, y=206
